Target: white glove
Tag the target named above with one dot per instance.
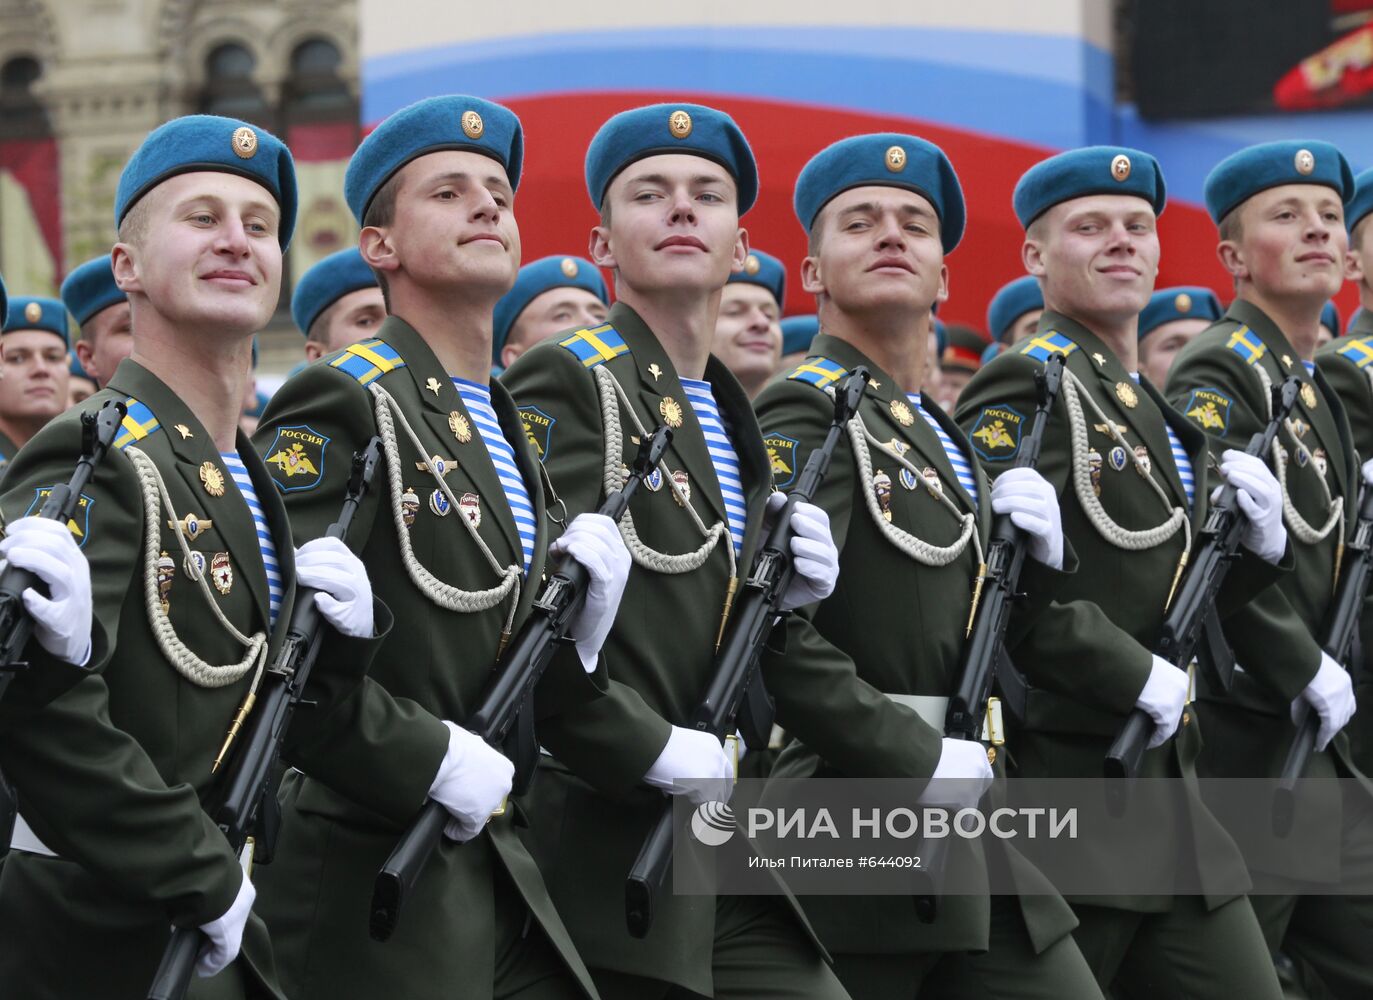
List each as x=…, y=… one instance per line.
x=225, y=933
x=813, y=553
x=1163, y=697
x=594, y=541
x=472, y=782
x=1260, y=501
x=693, y=754
x=345, y=594
x=962, y=775
x=1331, y=694
x=1367, y=472
x=62, y=623
x=1033, y=505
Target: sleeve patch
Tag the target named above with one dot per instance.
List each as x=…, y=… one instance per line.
x=782, y=456
x=295, y=458
x=1359, y=351
x=594, y=348
x=996, y=434
x=1209, y=409
x=1041, y=346
x=1246, y=344
x=819, y=372
x=538, y=428
x=80, y=523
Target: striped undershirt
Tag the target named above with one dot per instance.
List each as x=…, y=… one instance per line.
x=275, y=589
x=477, y=399
x=957, y=459
x=1180, y=459
x=722, y=456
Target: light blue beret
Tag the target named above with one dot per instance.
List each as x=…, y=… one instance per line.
x=992, y=350
x=536, y=278
x=798, y=332
x=765, y=271
x=454, y=121
x=884, y=159
x=1330, y=318
x=1011, y=301
x=1242, y=175
x=27, y=312
x=328, y=281
x=91, y=288
x=663, y=129
x=1182, y=302
x=209, y=142
x=1362, y=202
x=1090, y=170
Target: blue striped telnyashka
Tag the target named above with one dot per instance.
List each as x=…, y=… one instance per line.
x=276, y=590
x=477, y=399
x=722, y=456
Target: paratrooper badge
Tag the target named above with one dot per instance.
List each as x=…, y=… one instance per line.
x=295, y=458
x=782, y=457
x=1209, y=409
x=409, y=506
x=1118, y=458
x=996, y=434
x=438, y=503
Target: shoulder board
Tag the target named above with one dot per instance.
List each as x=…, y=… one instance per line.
x=819, y=372
x=1041, y=345
x=138, y=423
x=594, y=347
x=368, y=360
x=1359, y=350
x=1245, y=342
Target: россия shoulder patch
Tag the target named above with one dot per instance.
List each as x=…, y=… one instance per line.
x=80, y=523
x=538, y=428
x=295, y=458
x=996, y=434
x=1209, y=409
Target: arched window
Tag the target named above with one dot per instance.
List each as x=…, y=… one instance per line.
x=315, y=90
x=229, y=87
x=21, y=114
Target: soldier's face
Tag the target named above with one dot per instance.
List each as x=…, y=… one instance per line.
x=36, y=370
x=106, y=340
x=879, y=248
x=1024, y=326
x=210, y=258
x=554, y=311
x=748, y=333
x=355, y=317
x=1096, y=257
x=674, y=226
x=1292, y=242
x=1161, y=346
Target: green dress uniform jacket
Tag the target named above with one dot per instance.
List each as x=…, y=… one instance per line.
x=1089, y=655
x=590, y=808
x=370, y=751
x=112, y=770
x=893, y=626
x=1275, y=638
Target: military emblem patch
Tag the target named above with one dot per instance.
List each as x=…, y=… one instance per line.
x=782, y=455
x=996, y=435
x=80, y=523
x=1209, y=409
x=538, y=427
x=295, y=460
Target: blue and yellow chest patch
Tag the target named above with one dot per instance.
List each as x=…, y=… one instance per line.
x=1209, y=409
x=996, y=434
x=368, y=360
x=595, y=347
x=295, y=458
x=1359, y=350
x=538, y=428
x=782, y=457
x=1246, y=343
x=1042, y=345
x=817, y=371
x=79, y=524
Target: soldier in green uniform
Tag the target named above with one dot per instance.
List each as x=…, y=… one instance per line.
x=101, y=311
x=455, y=540
x=1013, y=313
x=910, y=509
x=33, y=388
x=192, y=569
x=549, y=296
x=1279, y=208
x=1134, y=482
x=1173, y=317
x=337, y=302
x=670, y=182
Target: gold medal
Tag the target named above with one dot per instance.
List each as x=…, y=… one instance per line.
x=671, y=411
x=461, y=429
x=222, y=573
x=1308, y=395
x=1125, y=392
x=212, y=479
x=902, y=413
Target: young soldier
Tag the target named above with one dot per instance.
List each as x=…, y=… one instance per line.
x=1279, y=208
x=910, y=510
x=33, y=383
x=1173, y=317
x=336, y=303
x=670, y=182
x=101, y=311
x=192, y=567
x=550, y=295
x=456, y=541
x=748, y=332
x=1013, y=313
x=1133, y=476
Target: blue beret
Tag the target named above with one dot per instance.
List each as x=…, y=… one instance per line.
x=992, y=350
x=662, y=129
x=941, y=336
x=209, y=142
x=1242, y=175
x=454, y=121
x=798, y=332
x=1090, y=170
x=885, y=159
x=74, y=367
x=1011, y=301
x=536, y=278
x=1362, y=202
x=328, y=281
x=91, y=288
x=765, y=271
x=32, y=313
x=1330, y=318
x=1182, y=302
